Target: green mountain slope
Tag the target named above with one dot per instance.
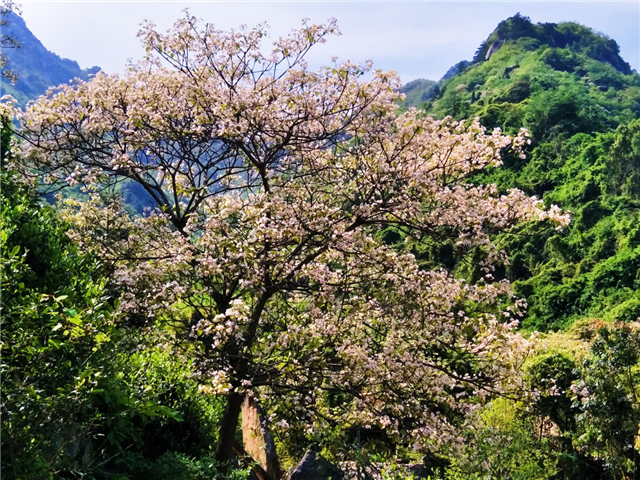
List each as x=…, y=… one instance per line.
x=419, y=91
x=36, y=68
x=581, y=102
x=553, y=79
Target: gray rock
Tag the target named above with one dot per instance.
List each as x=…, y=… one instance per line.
x=314, y=466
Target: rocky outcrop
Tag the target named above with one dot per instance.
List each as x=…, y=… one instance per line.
x=494, y=48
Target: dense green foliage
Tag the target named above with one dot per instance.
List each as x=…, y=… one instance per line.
x=591, y=403
x=580, y=423
x=580, y=102
x=82, y=394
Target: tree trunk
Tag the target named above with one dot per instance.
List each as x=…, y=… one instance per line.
x=228, y=425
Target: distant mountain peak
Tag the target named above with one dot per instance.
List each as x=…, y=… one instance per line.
x=569, y=35
x=513, y=62
x=419, y=91
x=37, y=69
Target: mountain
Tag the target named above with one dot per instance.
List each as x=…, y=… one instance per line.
x=419, y=91
x=36, y=68
x=520, y=65
x=580, y=102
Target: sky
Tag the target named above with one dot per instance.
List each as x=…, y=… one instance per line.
x=417, y=39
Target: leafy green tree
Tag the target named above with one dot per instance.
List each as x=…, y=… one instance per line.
x=505, y=442
x=82, y=394
x=589, y=401
x=606, y=395
x=57, y=331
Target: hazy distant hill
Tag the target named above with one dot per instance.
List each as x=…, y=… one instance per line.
x=419, y=91
x=36, y=67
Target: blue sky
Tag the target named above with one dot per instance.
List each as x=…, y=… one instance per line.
x=419, y=39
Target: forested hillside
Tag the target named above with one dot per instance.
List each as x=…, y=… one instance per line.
x=36, y=69
x=580, y=102
x=254, y=270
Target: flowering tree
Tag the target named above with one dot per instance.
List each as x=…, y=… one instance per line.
x=271, y=183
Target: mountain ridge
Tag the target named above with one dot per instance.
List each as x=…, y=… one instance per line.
x=561, y=36
x=36, y=68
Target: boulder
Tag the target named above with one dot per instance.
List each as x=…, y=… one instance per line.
x=314, y=466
